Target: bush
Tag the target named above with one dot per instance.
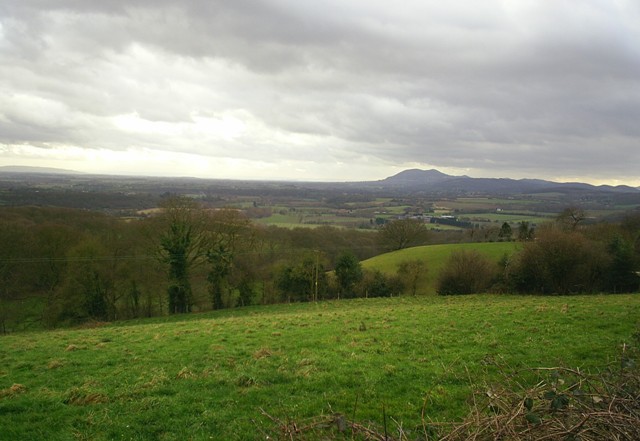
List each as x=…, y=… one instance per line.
x=375, y=284
x=411, y=272
x=559, y=262
x=466, y=272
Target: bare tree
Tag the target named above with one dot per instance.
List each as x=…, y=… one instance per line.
x=403, y=233
x=570, y=217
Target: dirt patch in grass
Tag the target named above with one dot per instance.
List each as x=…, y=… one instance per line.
x=15, y=389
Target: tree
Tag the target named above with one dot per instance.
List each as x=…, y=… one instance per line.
x=525, y=232
x=571, y=217
x=559, y=262
x=348, y=272
x=88, y=285
x=220, y=261
x=631, y=228
x=375, y=284
x=181, y=245
x=505, y=231
x=227, y=231
x=411, y=272
x=134, y=299
x=622, y=276
x=300, y=281
x=465, y=272
x=245, y=293
x=399, y=234
x=13, y=241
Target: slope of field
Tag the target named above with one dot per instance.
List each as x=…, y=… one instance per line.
x=435, y=257
x=208, y=376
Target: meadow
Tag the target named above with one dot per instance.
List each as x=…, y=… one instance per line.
x=435, y=258
x=210, y=376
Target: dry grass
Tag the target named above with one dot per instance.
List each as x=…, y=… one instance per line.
x=14, y=389
x=185, y=373
x=80, y=396
x=55, y=364
x=262, y=353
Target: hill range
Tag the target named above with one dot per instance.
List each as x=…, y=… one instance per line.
x=437, y=181
x=408, y=181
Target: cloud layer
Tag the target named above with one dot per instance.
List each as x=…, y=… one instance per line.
x=328, y=90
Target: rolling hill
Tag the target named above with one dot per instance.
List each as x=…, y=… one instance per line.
x=435, y=256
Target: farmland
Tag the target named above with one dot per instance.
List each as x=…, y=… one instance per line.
x=208, y=376
x=288, y=204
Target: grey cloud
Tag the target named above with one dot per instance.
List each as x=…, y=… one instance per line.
x=502, y=84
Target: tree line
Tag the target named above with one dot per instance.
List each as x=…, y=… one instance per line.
x=562, y=257
x=65, y=266
x=62, y=266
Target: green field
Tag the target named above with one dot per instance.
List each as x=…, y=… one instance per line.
x=512, y=218
x=435, y=256
x=208, y=376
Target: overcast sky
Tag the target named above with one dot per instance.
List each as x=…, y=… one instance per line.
x=333, y=90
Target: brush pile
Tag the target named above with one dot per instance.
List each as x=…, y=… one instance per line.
x=565, y=405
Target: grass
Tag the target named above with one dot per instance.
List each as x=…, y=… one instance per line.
x=507, y=217
x=435, y=256
x=207, y=376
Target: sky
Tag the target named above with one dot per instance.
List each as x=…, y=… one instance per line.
x=334, y=90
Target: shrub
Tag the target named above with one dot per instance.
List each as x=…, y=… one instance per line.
x=559, y=262
x=412, y=272
x=465, y=272
x=375, y=284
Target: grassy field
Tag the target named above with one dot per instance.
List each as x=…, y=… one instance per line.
x=435, y=256
x=200, y=377
x=512, y=218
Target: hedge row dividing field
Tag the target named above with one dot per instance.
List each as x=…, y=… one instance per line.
x=211, y=376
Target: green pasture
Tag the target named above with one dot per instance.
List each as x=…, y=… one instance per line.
x=210, y=376
x=435, y=256
x=484, y=204
x=288, y=220
x=442, y=227
x=509, y=217
x=313, y=218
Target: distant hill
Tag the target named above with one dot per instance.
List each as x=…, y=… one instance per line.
x=41, y=170
x=417, y=177
x=434, y=181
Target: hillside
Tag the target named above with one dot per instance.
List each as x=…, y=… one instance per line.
x=209, y=376
x=435, y=257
